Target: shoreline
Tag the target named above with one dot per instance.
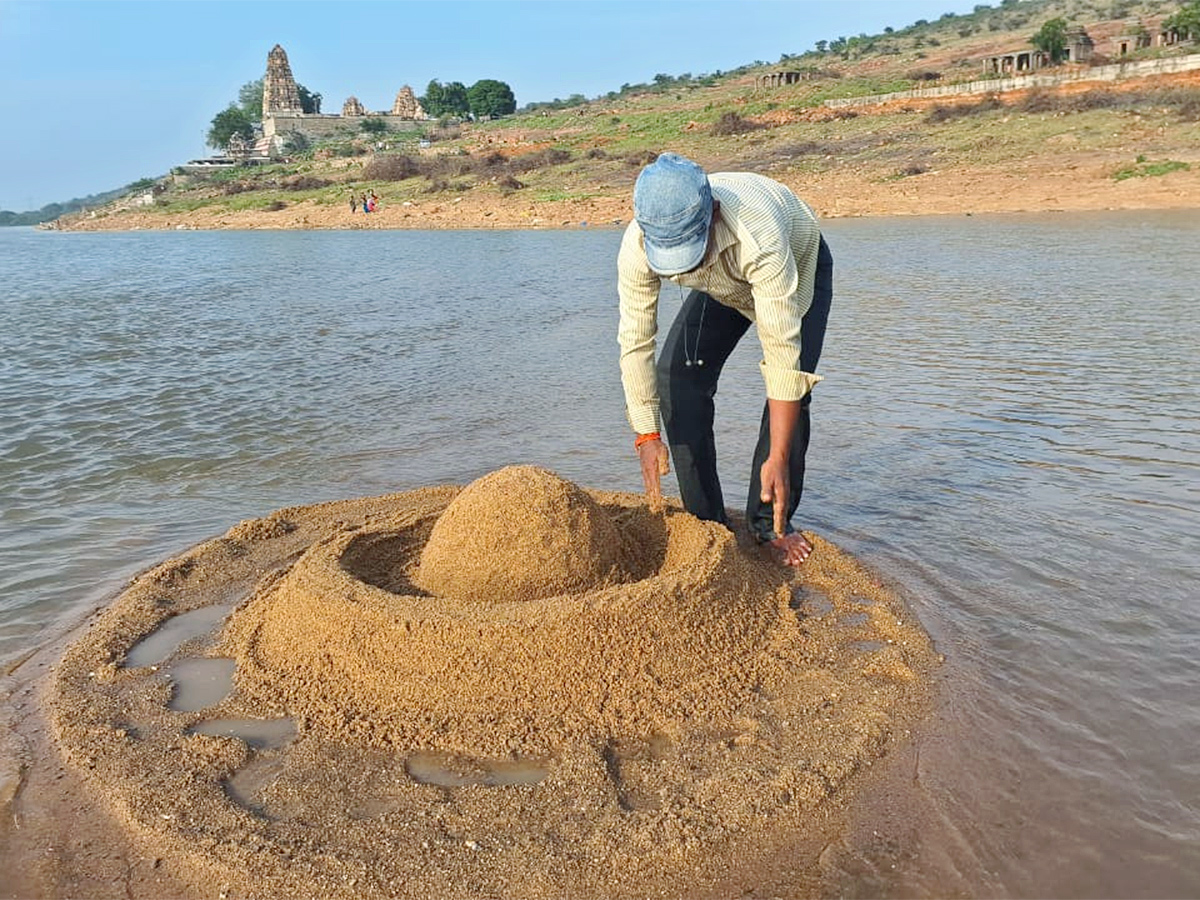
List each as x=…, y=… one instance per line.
x=1068, y=183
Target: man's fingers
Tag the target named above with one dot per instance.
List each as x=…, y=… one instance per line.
x=775, y=492
x=650, y=480
x=653, y=490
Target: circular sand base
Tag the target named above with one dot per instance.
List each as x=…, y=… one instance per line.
x=646, y=725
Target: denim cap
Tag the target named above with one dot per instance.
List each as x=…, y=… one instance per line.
x=672, y=203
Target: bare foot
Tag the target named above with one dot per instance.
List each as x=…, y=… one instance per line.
x=792, y=549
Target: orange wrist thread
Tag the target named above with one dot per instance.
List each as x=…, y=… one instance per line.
x=645, y=439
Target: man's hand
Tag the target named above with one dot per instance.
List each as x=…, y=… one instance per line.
x=775, y=489
x=792, y=549
x=656, y=462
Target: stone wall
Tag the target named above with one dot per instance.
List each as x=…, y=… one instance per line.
x=1114, y=72
x=320, y=126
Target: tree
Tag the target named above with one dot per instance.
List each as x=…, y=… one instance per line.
x=310, y=101
x=457, y=102
x=490, y=98
x=228, y=122
x=250, y=99
x=374, y=127
x=445, y=99
x=1186, y=22
x=1051, y=39
x=433, y=98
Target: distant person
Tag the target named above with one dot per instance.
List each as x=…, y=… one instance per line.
x=365, y=207
x=374, y=201
x=747, y=250
x=353, y=203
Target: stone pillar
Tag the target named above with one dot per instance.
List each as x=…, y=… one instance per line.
x=280, y=93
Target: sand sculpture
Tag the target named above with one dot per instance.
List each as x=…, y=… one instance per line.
x=518, y=688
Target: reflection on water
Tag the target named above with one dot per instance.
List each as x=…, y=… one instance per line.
x=1009, y=431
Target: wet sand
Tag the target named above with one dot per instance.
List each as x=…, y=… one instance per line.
x=678, y=716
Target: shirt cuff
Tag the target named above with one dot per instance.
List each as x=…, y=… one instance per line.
x=787, y=384
x=643, y=419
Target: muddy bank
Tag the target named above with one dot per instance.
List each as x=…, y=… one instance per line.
x=661, y=725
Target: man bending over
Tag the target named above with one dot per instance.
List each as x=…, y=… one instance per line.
x=745, y=249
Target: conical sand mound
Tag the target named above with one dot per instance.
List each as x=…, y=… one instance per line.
x=520, y=533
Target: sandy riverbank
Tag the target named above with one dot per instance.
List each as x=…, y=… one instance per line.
x=1067, y=181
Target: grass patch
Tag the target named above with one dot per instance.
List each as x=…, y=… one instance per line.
x=551, y=195
x=1146, y=169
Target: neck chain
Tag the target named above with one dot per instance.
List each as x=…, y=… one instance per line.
x=693, y=358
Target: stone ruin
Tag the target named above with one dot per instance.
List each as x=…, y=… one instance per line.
x=280, y=94
x=283, y=113
x=406, y=105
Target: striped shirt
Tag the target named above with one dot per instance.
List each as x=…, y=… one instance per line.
x=761, y=260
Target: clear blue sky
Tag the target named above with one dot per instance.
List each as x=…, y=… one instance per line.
x=94, y=95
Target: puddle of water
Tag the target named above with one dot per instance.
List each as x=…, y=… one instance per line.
x=157, y=647
x=444, y=770
x=261, y=734
x=200, y=683
x=808, y=602
x=266, y=738
x=853, y=620
x=246, y=785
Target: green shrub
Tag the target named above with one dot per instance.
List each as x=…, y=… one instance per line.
x=1093, y=99
x=374, y=127
x=732, y=123
x=540, y=159
x=1038, y=101
x=641, y=158
x=303, y=183
x=394, y=167
x=948, y=112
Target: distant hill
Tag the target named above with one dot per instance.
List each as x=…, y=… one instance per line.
x=52, y=211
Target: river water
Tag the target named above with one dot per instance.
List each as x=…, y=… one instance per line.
x=1009, y=432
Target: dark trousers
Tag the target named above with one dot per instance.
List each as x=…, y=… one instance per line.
x=693, y=355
